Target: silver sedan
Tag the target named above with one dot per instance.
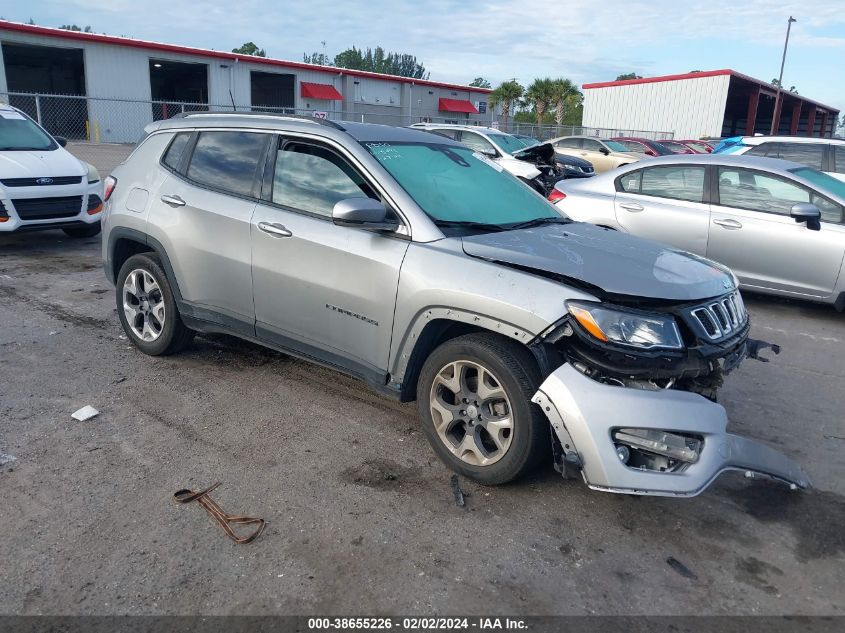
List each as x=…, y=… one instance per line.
x=778, y=225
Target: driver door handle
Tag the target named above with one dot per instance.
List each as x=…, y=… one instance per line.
x=728, y=224
x=633, y=207
x=274, y=229
x=173, y=201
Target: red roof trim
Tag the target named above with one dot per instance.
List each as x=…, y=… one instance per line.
x=319, y=91
x=456, y=105
x=187, y=50
x=708, y=73
x=651, y=80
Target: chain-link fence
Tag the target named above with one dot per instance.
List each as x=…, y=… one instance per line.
x=89, y=121
x=546, y=132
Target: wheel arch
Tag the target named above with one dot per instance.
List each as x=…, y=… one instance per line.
x=435, y=326
x=125, y=242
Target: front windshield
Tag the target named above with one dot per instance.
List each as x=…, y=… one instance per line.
x=661, y=149
x=19, y=133
x=825, y=183
x=675, y=148
x=616, y=147
x=455, y=184
x=508, y=142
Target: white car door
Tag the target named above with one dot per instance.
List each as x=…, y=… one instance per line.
x=752, y=232
x=665, y=204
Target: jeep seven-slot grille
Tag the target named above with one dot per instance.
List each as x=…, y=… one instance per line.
x=721, y=318
x=43, y=181
x=46, y=208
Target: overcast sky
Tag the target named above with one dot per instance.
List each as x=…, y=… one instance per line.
x=457, y=40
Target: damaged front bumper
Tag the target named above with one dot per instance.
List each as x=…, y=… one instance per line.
x=588, y=418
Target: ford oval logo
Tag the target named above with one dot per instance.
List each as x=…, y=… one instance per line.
x=44, y=181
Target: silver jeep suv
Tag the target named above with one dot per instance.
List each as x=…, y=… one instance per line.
x=420, y=266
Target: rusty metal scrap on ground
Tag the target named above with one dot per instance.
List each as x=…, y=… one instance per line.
x=216, y=512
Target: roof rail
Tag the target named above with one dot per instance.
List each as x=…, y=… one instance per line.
x=279, y=115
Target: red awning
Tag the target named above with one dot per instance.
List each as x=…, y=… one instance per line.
x=456, y=105
x=319, y=91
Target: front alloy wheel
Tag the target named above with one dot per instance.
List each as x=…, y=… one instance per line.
x=474, y=398
x=471, y=413
x=143, y=305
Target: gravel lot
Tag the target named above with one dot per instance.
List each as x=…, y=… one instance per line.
x=361, y=515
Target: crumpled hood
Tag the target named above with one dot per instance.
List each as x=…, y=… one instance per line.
x=543, y=151
x=618, y=263
x=36, y=164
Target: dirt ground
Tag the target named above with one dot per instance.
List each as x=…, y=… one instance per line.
x=362, y=518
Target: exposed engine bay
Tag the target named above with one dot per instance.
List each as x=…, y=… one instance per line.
x=542, y=156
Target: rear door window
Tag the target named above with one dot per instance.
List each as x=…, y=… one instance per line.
x=477, y=142
x=313, y=179
x=228, y=161
x=630, y=183
x=677, y=182
x=810, y=154
x=569, y=143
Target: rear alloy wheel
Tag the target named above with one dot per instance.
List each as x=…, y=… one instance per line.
x=147, y=308
x=474, y=396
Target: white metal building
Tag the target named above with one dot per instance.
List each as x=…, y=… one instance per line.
x=121, y=84
x=714, y=103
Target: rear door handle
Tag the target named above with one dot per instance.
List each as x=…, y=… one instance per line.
x=631, y=206
x=275, y=229
x=173, y=201
x=728, y=224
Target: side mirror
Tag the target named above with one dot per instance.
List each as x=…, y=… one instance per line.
x=809, y=213
x=364, y=213
x=604, y=151
x=489, y=153
x=61, y=140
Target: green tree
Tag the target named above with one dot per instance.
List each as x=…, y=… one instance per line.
x=72, y=27
x=628, y=76
x=321, y=59
x=565, y=95
x=480, y=82
x=378, y=60
x=249, y=48
x=777, y=84
x=539, y=95
x=506, y=95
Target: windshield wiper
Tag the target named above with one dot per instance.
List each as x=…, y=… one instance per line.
x=481, y=226
x=538, y=221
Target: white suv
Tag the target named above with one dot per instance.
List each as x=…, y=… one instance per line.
x=42, y=185
x=824, y=154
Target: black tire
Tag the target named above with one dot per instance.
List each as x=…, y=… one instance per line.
x=83, y=231
x=174, y=335
x=516, y=370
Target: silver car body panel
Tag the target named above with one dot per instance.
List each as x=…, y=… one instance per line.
x=752, y=243
x=584, y=413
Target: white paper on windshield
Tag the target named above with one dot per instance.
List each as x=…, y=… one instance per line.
x=10, y=114
x=487, y=161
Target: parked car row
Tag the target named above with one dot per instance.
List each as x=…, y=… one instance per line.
x=779, y=225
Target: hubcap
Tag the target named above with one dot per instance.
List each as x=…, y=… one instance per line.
x=471, y=412
x=143, y=305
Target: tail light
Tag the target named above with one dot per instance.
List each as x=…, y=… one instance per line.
x=108, y=186
x=556, y=195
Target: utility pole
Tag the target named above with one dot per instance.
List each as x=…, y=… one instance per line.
x=776, y=112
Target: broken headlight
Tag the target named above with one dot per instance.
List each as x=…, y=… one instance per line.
x=627, y=328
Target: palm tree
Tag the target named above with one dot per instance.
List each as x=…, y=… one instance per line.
x=539, y=95
x=506, y=94
x=564, y=95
